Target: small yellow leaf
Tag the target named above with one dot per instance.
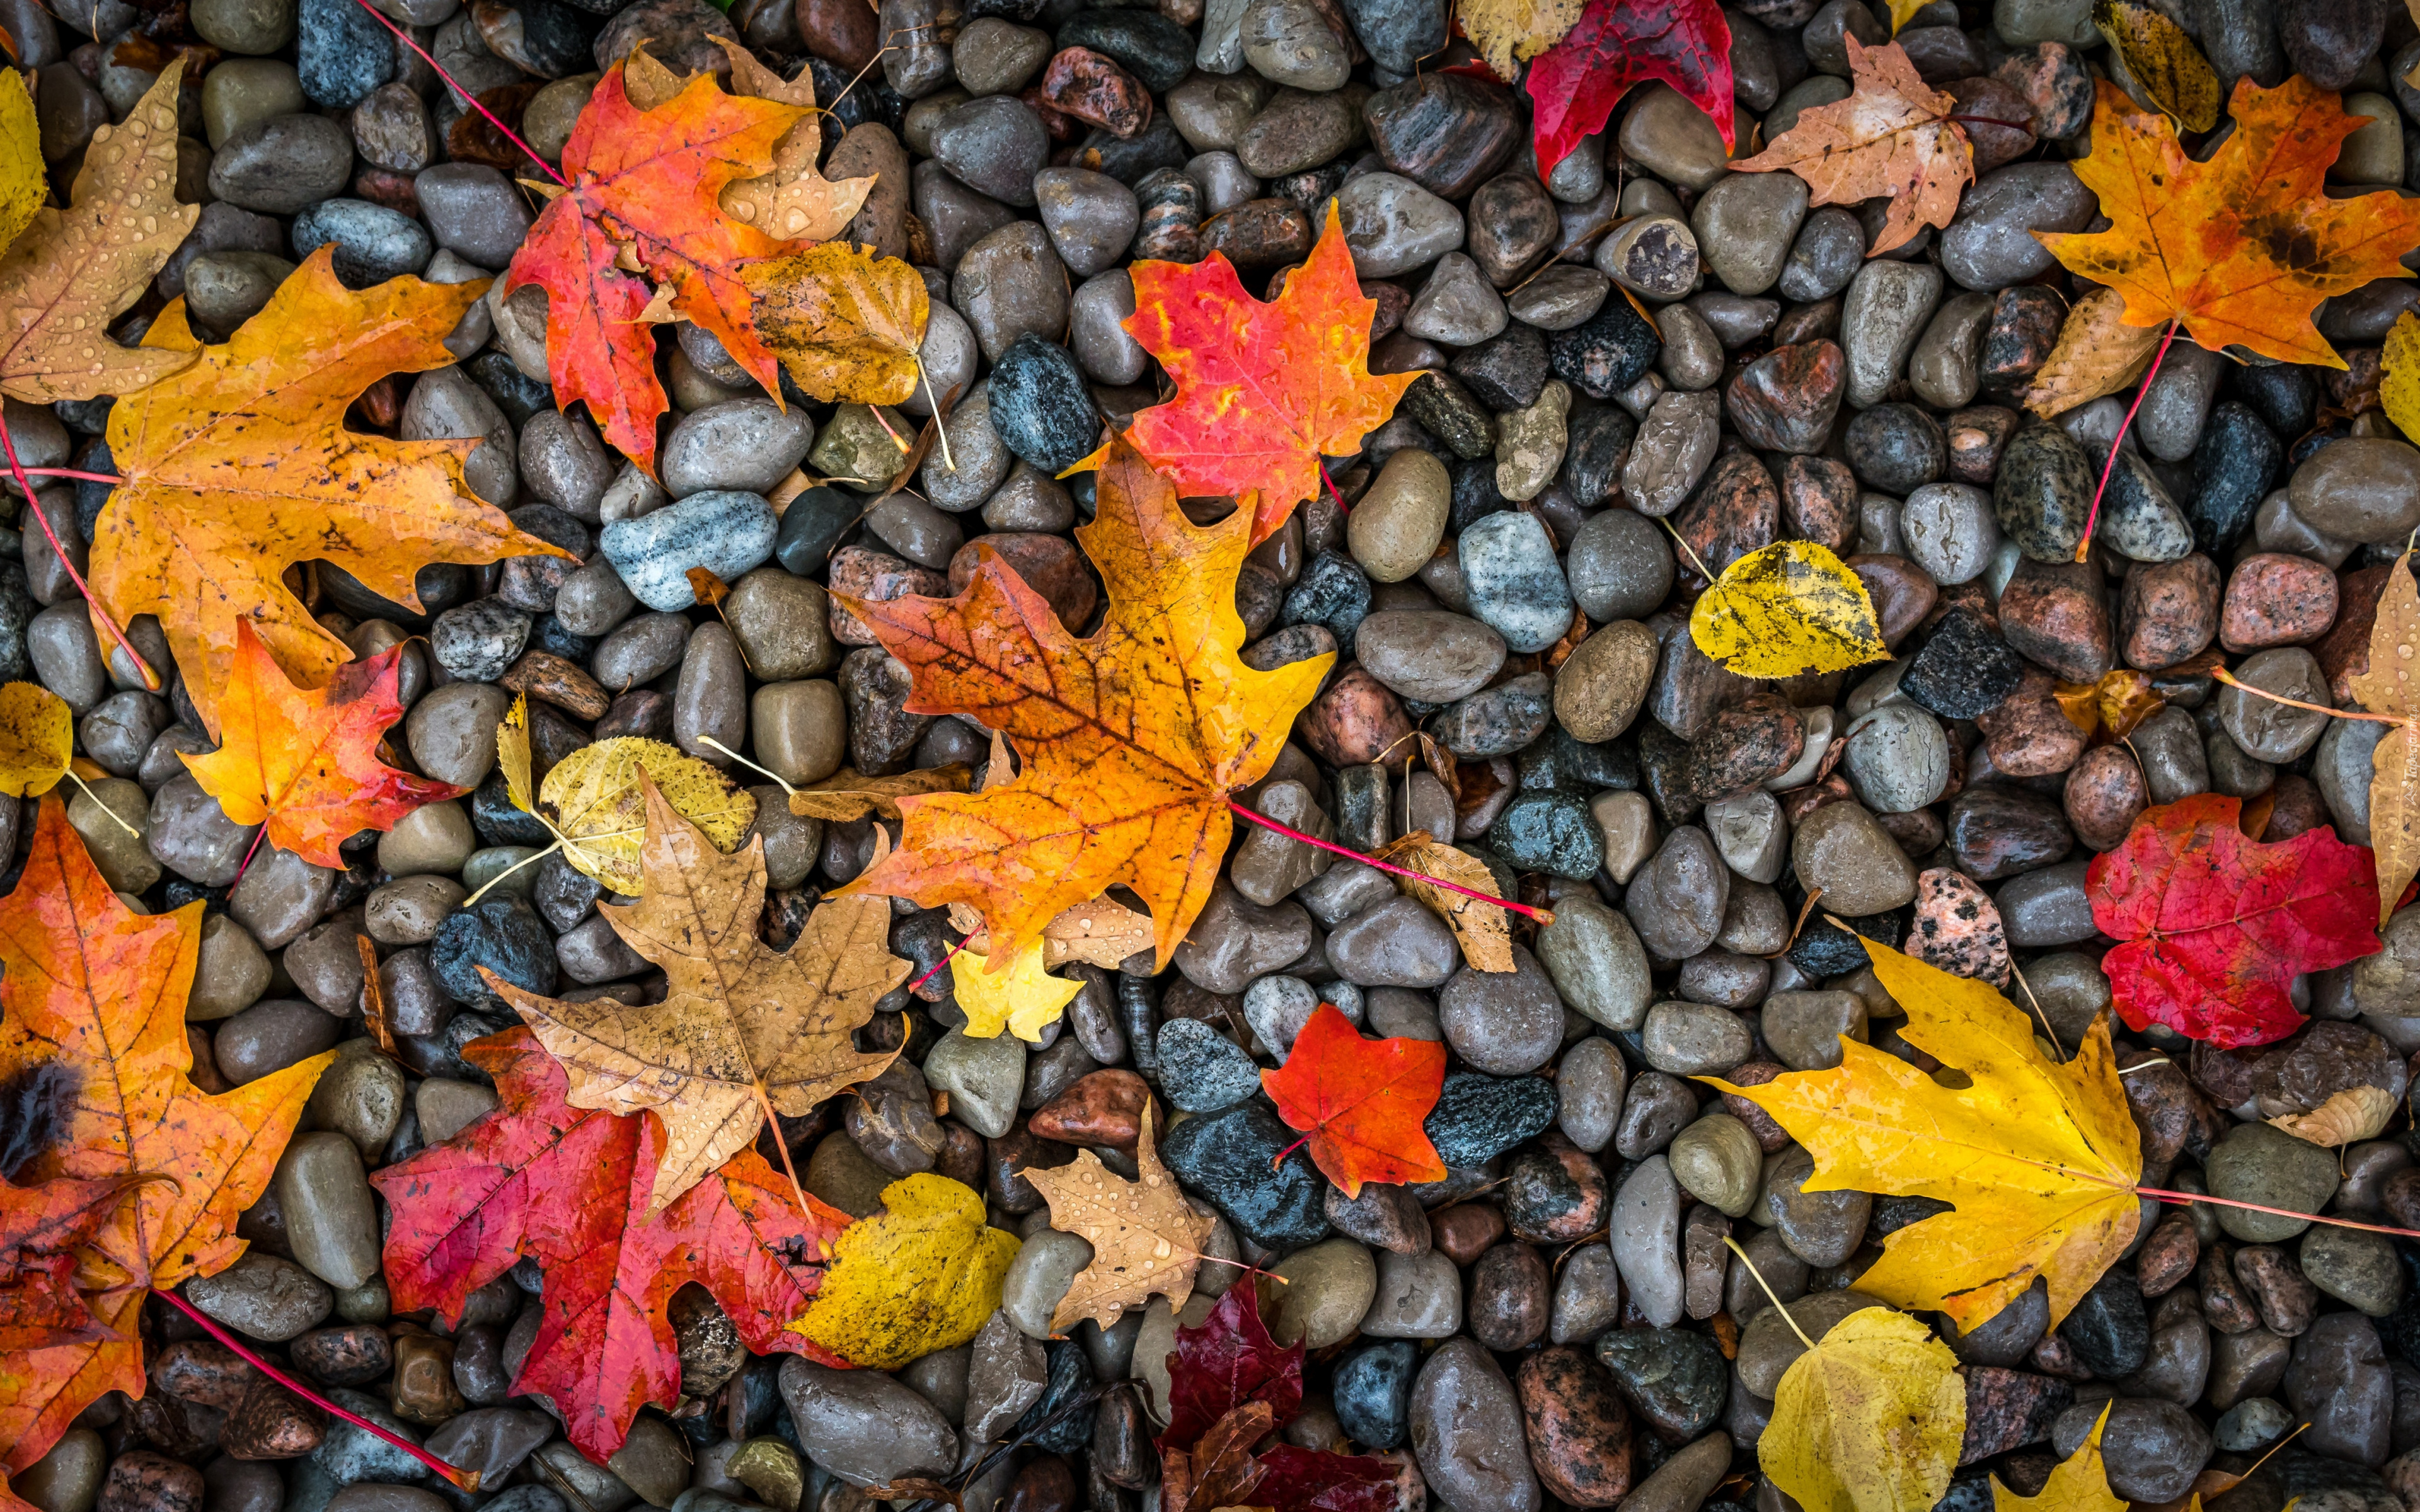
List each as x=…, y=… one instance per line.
x=846, y=324
x=845, y=795
x=1483, y=930
x=599, y=811
x=23, y=189
x=37, y=736
x=2175, y=78
x=1869, y=1420
x=1903, y=11
x=1510, y=32
x=1790, y=609
x=921, y=1276
x=2400, y=391
x=1024, y=999
x=2097, y=353
x=2347, y=1118
x=2079, y=1483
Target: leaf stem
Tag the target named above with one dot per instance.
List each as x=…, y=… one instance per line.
x=467, y=1479
x=2166, y=1195
x=534, y=856
x=1341, y=507
x=935, y=969
x=940, y=427
x=1540, y=914
x=76, y=473
x=2084, y=546
x=2223, y=675
x=103, y=807
x=151, y=680
x=1696, y=561
x=510, y=136
x=1733, y=1244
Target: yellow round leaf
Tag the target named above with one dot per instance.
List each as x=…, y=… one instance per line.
x=2400, y=390
x=1024, y=999
x=2173, y=76
x=22, y=187
x=36, y=737
x=602, y=816
x=921, y=1276
x=1869, y=1420
x=1789, y=609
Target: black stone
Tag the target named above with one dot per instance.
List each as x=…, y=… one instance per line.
x=1070, y=1375
x=441, y=1054
x=1040, y=406
x=1551, y=832
x=1478, y=1117
x=502, y=935
x=547, y=634
x=516, y=394
x=1676, y=1381
x=1598, y=445
x=2234, y=466
x=1608, y=353
x=1373, y=1393
x=1664, y=762
x=2283, y=397
x=1475, y=494
x=1506, y=371
x=1555, y=763
x=1226, y=1158
x=1896, y=448
x=1446, y=410
x=1965, y=671
x=2110, y=1329
x=1131, y=161
x=810, y=527
x=1333, y=591
x=1147, y=44
x=1891, y=1215
x=1825, y=950
x=563, y=894
x=1399, y=33
x=499, y=821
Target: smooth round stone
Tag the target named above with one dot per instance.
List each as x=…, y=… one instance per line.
x=1898, y=759
x=2365, y=488
x=2257, y=1163
x=1558, y=299
x=253, y=26
x=994, y=56
x=67, y=1478
x=1602, y=685
x=1840, y=849
x=1096, y=329
x=1393, y=225
x=241, y=91
x=749, y=445
x=1327, y=1291
x=1507, y=1022
x=1596, y=962
x=1010, y=283
x=1888, y=307
x=1746, y=226
x=725, y=531
x=1683, y=1039
x=1397, y=943
x=1289, y=42
x=1991, y=244
x=1395, y=529
x=1676, y=901
x=283, y=164
x=331, y=1222
x=1457, y=307
x=1040, y=408
x=1513, y=582
x=995, y=146
x=263, y=1297
x=1620, y=566
x=1090, y=216
x=2268, y=731
x=1718, y=1160
x=1466, y=1431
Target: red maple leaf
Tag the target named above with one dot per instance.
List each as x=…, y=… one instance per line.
x=1361, y=1101
x=647, y=182
x=569, y=1187
x=1231, y=1362
x=2217, y=926
x=42, y=1226
x=1576, y=84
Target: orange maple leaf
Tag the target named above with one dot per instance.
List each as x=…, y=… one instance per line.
x=648, y=182
x=99, y=989
x=1893, y=138
x=1262, y=390
x=241, y=464
x=1361, y=1101
x=2241, y=249
x=303, y=759
x=1133, y=736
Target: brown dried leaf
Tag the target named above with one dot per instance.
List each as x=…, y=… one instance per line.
x=2389, y=684
x=846, y=323
x=793, y=203
x=1892, y=137
x=1484, y=932
x=2347, y=1118
x=374, y=1008
x=1146, y=1238
x=1101, y=932
x=845, y=795
x=2097, y=353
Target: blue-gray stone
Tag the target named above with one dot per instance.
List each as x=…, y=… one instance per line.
x=502, y=935
x=812, y=526
x=2234, y=464
x=723, y=530
x=351, y=1454
x=1550, y=831
x=1041, y=408
x=1332, y=592
x=1226, y=1158
x=1478, y=1117
x=373, y=243
x=341, y=52
x=1608, y=353
x=1515, y=581
x=1202, y=1071
x=1373, y=1393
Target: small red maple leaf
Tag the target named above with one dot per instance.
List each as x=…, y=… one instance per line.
x=1361, y=1102
x=1576, y=84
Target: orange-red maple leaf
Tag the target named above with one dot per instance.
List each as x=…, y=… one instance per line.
x=571, y=1188
x=2242, y=247
x=1133, y=736
x=92, y=986
x=304, y=760
x=1361, y=1101
x=42, y=1226
x=1262, y=390
x=649, y=181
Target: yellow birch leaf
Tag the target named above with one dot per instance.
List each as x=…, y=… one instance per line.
x=1508, y=33
x=1903, y=11
x=1789, y=609
x=846, y=323
x=2175, y=78
x=37, y=738
x=2389, y=684
x=2097, y=353
x=599, y=810
x=2079, y=1483
x=1483, y=930
x=1024, y=999
x=845, y=795
x=2347, y=1118
x=2037, y=1160
x=1146, y=1238
x=22, y=187
x=921, y=1276
x=1869, y=1419
x=2399, y=390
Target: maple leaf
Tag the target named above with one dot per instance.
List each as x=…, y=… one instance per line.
x=72, y=271
x=791, y=202
x=2215, y=926
x=2079, y=1483
x=1510, y=32
x=1892, y=139
x=1230, y=1358
x=1024, y=999
x=1134, y=735
x=2388, y=686
x=649, y=181
x=86, y=984
x=1482, y=931
x=1146, y=1238
x=42, y=1226
x=923, y=1275
x=2241, y=249
x=1262, y=390
x=744, y=1031
x=303, y=761
x=1575, y=85
x=1101, y=932
x=846, y=323
x=240, y=464
x=1230, y=1383
x=1869, y=1419
x=2038, y=1160
x=1361, y=1101
x=571, y=1188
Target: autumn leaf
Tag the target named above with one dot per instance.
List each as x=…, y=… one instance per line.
x=37, y=739
x=240, y=464
x=1146, y=1238
x=921, y=1276
x=2162, y=60
x=1869, y=1419
x=571, y=1188
x=1894, y=138
x=599, y=814
x=1024, y=999
x=1133, y=736
x=846, y=796
x=88, y=985
x=305, y=762
x=67, y=273
x=1101, y=932
x=1262, y=390
x=744, y=1031
x=792, y=202
x=2399, y=393
x=2242, y=247
x=2214, y=928
x=2387, y=686
x=1787, y=609
x=1361, y=1102
x=2079, y=1483
x=2348, y=1117
x=1508, y=33
x=24, y=187
x=2039, y=1159
x=846, y=323
x=42, y=1227
x=650, y=182
x=1228, y=1359
x=2097, y=353
x=1575, y=85
x=1483, y=930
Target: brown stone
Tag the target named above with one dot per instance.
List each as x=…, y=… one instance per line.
x=199, y=1370
x=1769, y=1133
x=1957, y=928
x=1008, y=1157
x=1103, y=1110
x=1997, y=832
x=1050, y=565
x=272, y=1423
x=1786, y=400
x=182, y=1428
x=1508, y=1297
x=2296, y=807
x=1903, y=593
x=2223, y=1298
x=846, y=32
x=348, y=1355
x=1465, y=1230
x=2276, y=1286
x=2055, y=613
x=2168, y=1256
x=1994, y=117
x=1975, y=438
x=1260, y=233
x=384, y=185
x=1734, y=511
x=140, y=1481
x=2008, y=1409
x=1354, y=722
x=878, y=578
x=1578, y=1428
x=1554, y=1194
x=1444, y=132
x=2169, y=613
x=1744, y=746
x=1819, y=500
x=424, y=1388
x=2104, y=792
x=2025, y=326
x=2275, y=599
x=2344, y=651
x=1093, y=89
x=542, y=675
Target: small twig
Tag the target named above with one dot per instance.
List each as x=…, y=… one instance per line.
x=1695, y=559
x=2039, y=1013
x=112, y=813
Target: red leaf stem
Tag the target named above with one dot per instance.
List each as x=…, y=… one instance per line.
x=150, y=679
x=2084, y=546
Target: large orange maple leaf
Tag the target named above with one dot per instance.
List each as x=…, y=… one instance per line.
x=240, y=464
x=1262, y=390
x=649, y=182
x=99, y=989
x=303, y=760
x=1132, y=737
x=2241, y=249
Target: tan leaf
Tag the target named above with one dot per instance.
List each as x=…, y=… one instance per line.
x=744, y=1031
x=1101, y=932
x=2389, y=684
x=2347, y=1118
x=845, y=795
x=1146, y=1238
x=1508, y=33
x=846, y=323
x=793, y=203
x=2097, y=353
x=75, y=271
x=1483, y=930
x=1892, y=137
x=2173, y=74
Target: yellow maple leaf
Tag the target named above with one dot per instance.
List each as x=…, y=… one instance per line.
x=2079, y=1483
x=921, y=1276
x=2389, y=685
x=23, y=186
x=1025, y=1000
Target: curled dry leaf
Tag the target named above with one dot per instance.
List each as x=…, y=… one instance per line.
x=845, y=795
x=2347, y=1118
x=598, y=811
x=2173, y=74
x=2097, y=353
x=921, y=1276
x=846, y=323
x=1508, y=33
x=37, y=738
x=1785, y=609
x=1024, y=999
x=1869, y=1419
x=1483, y=930
x=1892, y=138
x=1146, y=1238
